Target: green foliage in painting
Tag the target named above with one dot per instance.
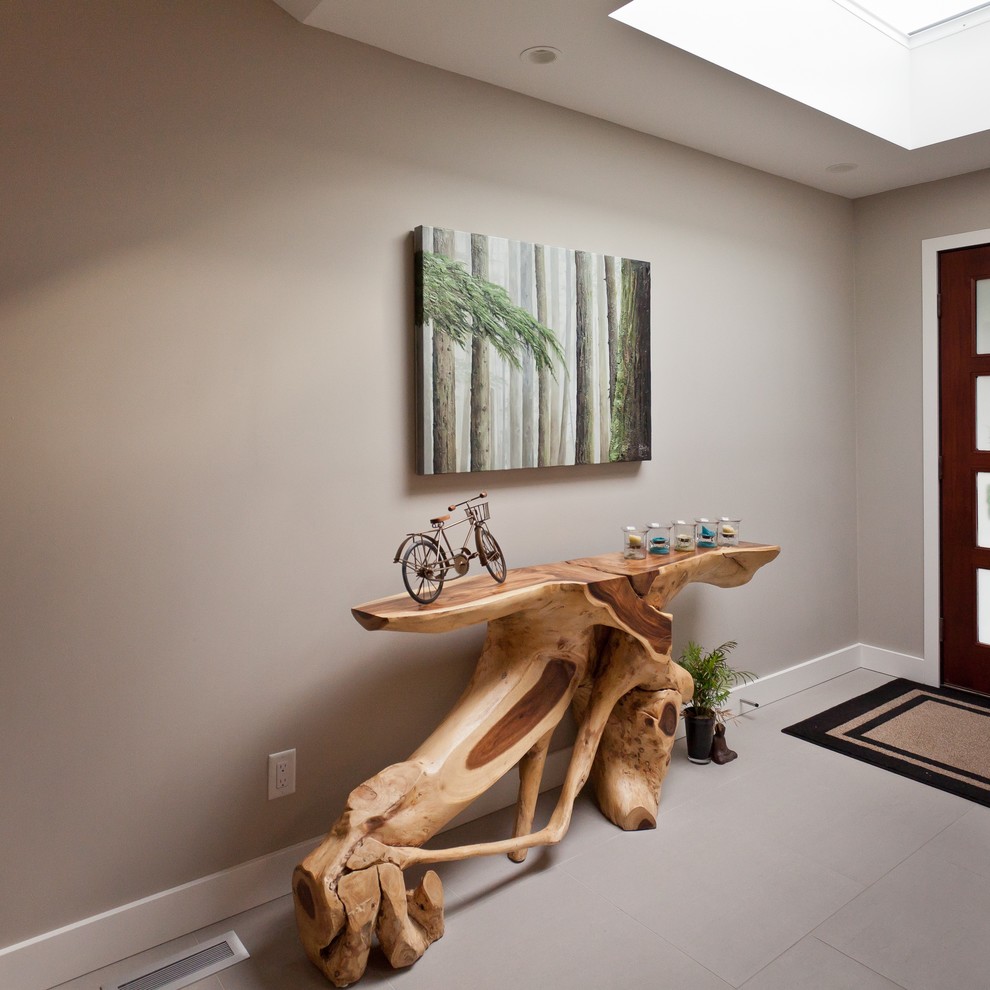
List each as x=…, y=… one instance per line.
x=463, y=306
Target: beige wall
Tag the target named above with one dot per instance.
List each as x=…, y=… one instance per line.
x=890, y=229
x=205, y=399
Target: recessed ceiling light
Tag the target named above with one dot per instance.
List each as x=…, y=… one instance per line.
x=540, y=55
x=842, y=167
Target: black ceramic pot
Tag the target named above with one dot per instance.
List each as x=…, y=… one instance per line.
x=700, y=733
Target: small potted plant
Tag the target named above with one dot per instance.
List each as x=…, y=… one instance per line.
x=713, y=680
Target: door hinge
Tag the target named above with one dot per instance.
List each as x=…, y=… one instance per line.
x=941, y=630
x=939, y=467
x=939, y=305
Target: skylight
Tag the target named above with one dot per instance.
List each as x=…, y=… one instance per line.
x=919, y=22
x=912, y=16
x=908, y=71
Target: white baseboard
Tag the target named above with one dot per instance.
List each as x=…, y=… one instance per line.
x=899, y=665
x=57, y=956
x=800, y=677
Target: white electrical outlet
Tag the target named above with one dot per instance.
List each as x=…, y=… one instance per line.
x=281, y=773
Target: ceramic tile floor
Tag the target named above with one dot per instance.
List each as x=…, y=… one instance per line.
x=791, y=868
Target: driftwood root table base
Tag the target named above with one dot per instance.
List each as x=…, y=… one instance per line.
x=589, y=635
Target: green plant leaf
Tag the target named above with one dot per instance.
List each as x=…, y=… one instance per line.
x=713, y=677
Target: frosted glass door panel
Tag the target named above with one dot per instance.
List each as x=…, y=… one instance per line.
x=983, y=316
x=983, y=412
x=983, y=606
x=983, y=510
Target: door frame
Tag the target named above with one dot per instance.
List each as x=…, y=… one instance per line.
x=930, y=248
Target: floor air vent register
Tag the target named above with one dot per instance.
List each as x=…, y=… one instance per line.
x=188, y=966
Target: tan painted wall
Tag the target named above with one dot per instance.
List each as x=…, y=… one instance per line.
x=890, y=229
x=205, y=399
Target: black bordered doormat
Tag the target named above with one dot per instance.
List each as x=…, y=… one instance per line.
x=938, y=736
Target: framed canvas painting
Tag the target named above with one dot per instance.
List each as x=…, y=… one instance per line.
x=528, y=355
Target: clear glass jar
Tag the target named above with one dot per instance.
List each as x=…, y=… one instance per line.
x=634, y=542
x=659, y=540
x=706, y=533
x=728, y=531
x=682, y=534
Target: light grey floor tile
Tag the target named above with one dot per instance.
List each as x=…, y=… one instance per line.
x=967, y=842
x=924, y=925
x=852, y=818
x=730, y=900
x=469, y=879
x=688, y=782
x=813, y=965
x=551, y=932
x=862, y=821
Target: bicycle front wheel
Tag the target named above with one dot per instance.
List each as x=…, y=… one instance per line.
x=424, y=566
x=492, y=553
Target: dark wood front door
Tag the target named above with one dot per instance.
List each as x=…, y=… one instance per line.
x=964, y=378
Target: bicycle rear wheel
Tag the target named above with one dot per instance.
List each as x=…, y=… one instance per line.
x=492, y=553
x=424, y=566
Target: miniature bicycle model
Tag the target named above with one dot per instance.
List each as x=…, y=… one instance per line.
x=427, y=558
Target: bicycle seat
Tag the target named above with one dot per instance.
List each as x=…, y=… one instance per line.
x=438, y=520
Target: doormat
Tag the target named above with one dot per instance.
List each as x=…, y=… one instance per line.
x=937, y=736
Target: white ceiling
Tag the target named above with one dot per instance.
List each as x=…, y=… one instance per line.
x=612, y=71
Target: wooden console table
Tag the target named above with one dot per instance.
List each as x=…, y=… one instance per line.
x=587, y=633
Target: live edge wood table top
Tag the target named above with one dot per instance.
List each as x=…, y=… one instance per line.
x=588, y=634
x=467, y=601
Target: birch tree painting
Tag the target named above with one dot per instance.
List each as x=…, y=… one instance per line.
x=528, y=355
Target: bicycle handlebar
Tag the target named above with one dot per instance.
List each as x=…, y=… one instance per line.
x=450, y=508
